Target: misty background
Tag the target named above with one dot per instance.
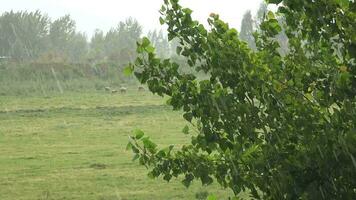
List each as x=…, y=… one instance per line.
x=87, y=44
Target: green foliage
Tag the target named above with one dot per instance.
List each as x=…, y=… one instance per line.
x=281, y=127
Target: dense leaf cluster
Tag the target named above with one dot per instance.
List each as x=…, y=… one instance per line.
x=280, y=127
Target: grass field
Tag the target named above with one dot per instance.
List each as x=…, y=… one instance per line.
x=72, y=146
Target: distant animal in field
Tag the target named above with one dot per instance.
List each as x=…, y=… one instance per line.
x=113, y=91
x=123, y=90
x=108, y=89
x=141, y=88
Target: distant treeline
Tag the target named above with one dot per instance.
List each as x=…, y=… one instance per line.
x=33, y=36
x=40, y=55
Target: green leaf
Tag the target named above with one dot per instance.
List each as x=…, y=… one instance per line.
x=129, y=146
x=148, y=144
x=161, y=21
x=173, y=2
x=186, y=130
x=188, y=116
x=270, y=15
x=169, y=101
x=163, y=8
x=145, y=42
x=343, y=3
x=128, y=70
x=187, y=11
x=178, y=50
x=202, y=29
x=274, y=1
x=211, y=197
x=188, y=180
x=138, y=134
x=206, y=180
x=150, y=49
x=139, y=48
x=135, y=150
x=137, y=156
x=247, y=154
x=167, y=177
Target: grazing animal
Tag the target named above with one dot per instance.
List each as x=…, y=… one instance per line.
x=113, y=91
x=123, y=90
x=140, y=88
x=107, y=89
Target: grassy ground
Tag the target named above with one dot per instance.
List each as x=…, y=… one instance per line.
x=72, y=146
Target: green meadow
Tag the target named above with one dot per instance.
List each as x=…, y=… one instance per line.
x=70, y=142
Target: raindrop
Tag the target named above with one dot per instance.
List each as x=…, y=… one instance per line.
x=353, y=160
x=335, y=155
x=57, y=81
x=320, y=152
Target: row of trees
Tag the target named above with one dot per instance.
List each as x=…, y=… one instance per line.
x=33, y=36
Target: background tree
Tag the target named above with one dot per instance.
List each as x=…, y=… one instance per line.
x=97, y=44
x=280, y=127
x=61, y=33
x=162, y=45
x=78, y=47
x=28, y=36
x=120, y=42
x=32, y=36
x=247, y=30
x=261, y=14
x=23, y=34
x=160, y=42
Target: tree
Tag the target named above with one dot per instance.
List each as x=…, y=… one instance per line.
x=261, y=14
x=97, y=44
x=23, y=34
x=246, y=33
x=120, y=42
x=78, y=47
x=60, y=35
x=160, y=42
x=26, y=36
x=152, y=36
x=280, y=127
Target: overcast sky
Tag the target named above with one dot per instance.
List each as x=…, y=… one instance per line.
x=104, y=14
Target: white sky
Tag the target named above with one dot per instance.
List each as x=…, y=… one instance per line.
x=104, y=14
